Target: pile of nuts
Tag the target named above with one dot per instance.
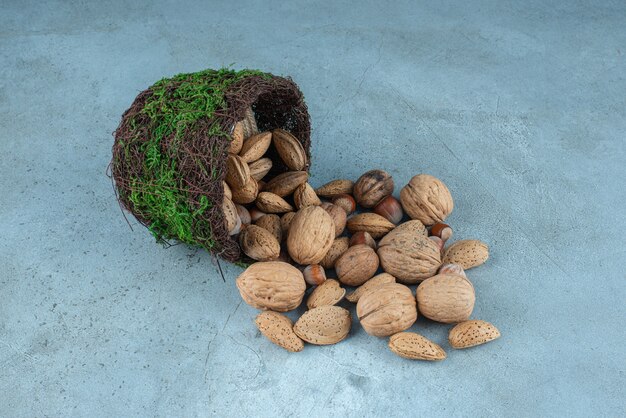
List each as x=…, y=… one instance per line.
x=297, y=235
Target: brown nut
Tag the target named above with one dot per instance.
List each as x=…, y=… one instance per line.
x=259, y=244
x=452, y=268
x=387, y=309
x=249, y=124
x=286, y=183
x=324, y=325
x=363, y=237
x=285, y=222
x=335, y=187
x=426, y=198
x=467, y=253
x=247, y=193
x=236, y=139
x=372, y=187
x=346, y=202
x=279, y=330
x=446, y=298
x=390, y=209
x=255, y=147
x=237, y=172
x=311, y=235
x=339, y=216
x=272, y=285
x=271, y=222
x=289, y=149
x=255, y=214
x=260, y=168
x=438, y=242
x=357, y=265
x=374, y=224
x=374, y=282
x=340, y=245
x=442, y=231
x=408, y=256
x=231, y=217
x=304, y=196
x=272, y=203
x=227, y=192
x=415, y=347
x=328, y=293
x=243, y=214
x=472, y=333
x=314, y=274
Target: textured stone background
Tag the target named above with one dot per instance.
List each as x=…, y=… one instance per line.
x=518, y=106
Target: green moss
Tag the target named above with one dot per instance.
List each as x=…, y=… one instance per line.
x=174, y=108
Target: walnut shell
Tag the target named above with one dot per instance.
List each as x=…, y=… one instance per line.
x=446, y=298
x=426, y=198
x=311, y=234
x=357, y=265
x=372, y=187
x=387, y=309
x=272, y=285
x=408, y=256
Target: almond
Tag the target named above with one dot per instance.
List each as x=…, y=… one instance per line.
x=286, y=183
x=409, y=257
x=278, y=329
x=256, y=214
x=338, y=247
x=249, y=124
x=426, y=198
x=227, y=192
x=236, y=139
x=260, y=168
x=285, y=222
x=415, y=347
x=346, y=202
x=244, y=215
x=324, y=325
x=272, y=285
x=314, y=274
x=374, y=224
x=329, y=292
x=339, y=216
x=289, y=149
x=237, y=172
x=335, y=187
x=231, y=218
x=255, y=147
x=374, y=282
x=357, y=265
x=247, y=193
x=446, y=298
x=311, y=235
x=472, y=333
x=272, y=203
x=304, y=196
x=387, y=309
x=271, y=223
x=372, y=187
x=467, y=253
x=259, y=244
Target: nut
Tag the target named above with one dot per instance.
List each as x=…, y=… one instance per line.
x=255, y=147
x=446, y=298
x=408, y=257
x=311, y=235
x=231, y=218
x=372, y=187
x=472, y=333
x=237, y=172
x=335, y=187
x=272, y=285
x=285, y=222
x=390, y=209
x=255, y=214
x=271, y=223
x=452, y=268
x=244, y=215
x=314, y=274
x=304, y=196
x=442, y=231
x=412, y=227
x=278, y=329
x=289, y=149
x=346, y=202
x=260, y=168
x=339, y=216
x=227, y=192
x=357, y=265
x=272, y=203
x=324, y=325
x=326, y=294
x=259, y=244
x=236, y=140
x=387, y=309
x=249, y=124
x=339, y=246
x=426, y=198
x=363, y=237
x=467, y=253
x=376, y=225
x=415, y=347
x=285, y=184
x=374, y=282
x=247, y=193
x=438, y=242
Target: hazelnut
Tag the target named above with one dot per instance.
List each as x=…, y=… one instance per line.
x=442, y=231
x=372, y=187
x=314, y=274
x=452, y=268
x=346, y=202
x=390, y=209
x=363, y=237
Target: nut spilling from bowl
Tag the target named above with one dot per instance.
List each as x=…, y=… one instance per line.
x=393, y=251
